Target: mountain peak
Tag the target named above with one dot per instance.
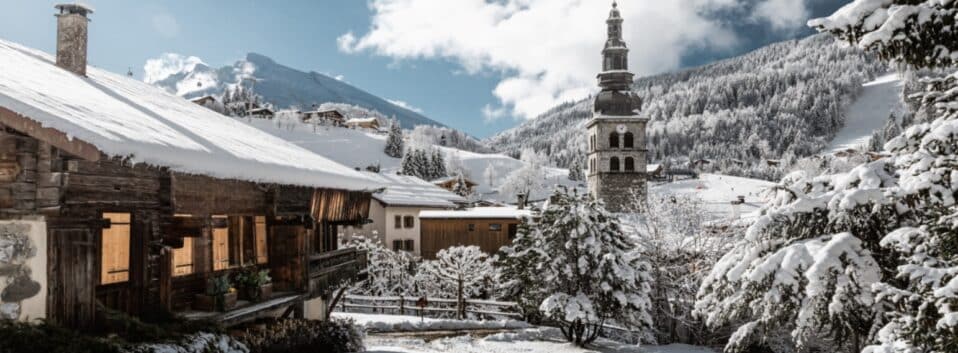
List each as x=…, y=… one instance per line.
x=280, y=85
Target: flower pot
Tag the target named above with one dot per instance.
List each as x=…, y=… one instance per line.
x=258, y=294
x=203, y=302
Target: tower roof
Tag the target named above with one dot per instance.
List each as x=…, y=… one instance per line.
x=74, y=8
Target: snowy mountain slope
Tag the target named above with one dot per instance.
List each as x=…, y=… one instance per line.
x=778, y=102
x=358, y=149
x=869, y=113
x=279, y=85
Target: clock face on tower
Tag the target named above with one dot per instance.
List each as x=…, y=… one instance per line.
x=621, y=129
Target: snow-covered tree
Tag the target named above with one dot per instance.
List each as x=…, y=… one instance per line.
x=575, y=171
x=489, y=175
x=464, y=270
x=580, y=258
x=388, y=272
x=921, y=293
x=673, y=237
x=515, y=280
x=394, y=143
x=461, y=188
x=437, y=165
x=528, y=179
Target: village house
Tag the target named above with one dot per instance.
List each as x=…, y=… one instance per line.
x=331, y=117
x=489, y=228
x=394, y=212
x=116, y=193
x=261, y=113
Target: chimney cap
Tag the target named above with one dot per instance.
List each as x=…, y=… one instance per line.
x=74, y=8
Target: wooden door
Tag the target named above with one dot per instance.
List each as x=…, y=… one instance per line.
x=287, y=254
x=73, y=277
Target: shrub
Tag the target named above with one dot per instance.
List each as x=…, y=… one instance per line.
x=153, y=327
x=41, y=337
x=304, y=336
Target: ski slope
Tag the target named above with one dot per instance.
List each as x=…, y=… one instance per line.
x=718, y=191
x=868, y=113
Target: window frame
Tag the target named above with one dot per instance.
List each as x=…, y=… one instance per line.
x=408, y=222
x=614, y=140
x=495, y=227
x=629, y=164
x=614, y=165
x=188, y=245
x=397, y=221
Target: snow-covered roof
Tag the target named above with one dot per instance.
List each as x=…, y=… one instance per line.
x=403, y=190
x=479, y=213
x=125, y=117
x=361, y=121
x=650, y=168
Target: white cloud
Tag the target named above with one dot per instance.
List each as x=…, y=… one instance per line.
x=403, y=104
x=782, y=14
x=490, y=113
x=166, y=25
x=548, y=51
x=340, y=77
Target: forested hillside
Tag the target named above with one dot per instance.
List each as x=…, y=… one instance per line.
x=782, y=101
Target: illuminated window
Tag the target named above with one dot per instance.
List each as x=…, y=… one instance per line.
x=183, y=258
x=115, y=246
x=221, y=247
x=262, y=252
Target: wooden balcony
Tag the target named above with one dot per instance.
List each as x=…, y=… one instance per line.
x=328, y=270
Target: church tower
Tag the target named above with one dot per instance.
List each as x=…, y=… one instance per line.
x=616, y=132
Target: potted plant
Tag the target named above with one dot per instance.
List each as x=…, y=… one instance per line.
x=255, y=284
x=219, y=296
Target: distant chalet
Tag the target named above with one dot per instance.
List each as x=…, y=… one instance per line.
x=145, y=196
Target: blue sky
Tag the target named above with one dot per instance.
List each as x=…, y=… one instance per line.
x=471, y=64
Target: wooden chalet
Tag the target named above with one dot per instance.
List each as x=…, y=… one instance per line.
x=132, y=198
x=449, y=183
x=489, y=228
x=332, y=117
x=261, y=113
x=366, y=123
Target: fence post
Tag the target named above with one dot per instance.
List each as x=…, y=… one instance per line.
x=402, y=305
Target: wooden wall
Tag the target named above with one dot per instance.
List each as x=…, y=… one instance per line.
x=438, y=234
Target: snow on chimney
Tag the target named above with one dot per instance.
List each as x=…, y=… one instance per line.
x=72, y=37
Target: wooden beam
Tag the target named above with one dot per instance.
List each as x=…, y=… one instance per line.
x=54, y=137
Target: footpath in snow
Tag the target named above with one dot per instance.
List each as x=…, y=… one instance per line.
x=535, y=340
x=401, y=323
x=870, y=111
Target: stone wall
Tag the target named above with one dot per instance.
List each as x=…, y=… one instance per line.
x=23, y=270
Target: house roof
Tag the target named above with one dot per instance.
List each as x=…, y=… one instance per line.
x=121, y=116
x=403, y=190
x=478, y=213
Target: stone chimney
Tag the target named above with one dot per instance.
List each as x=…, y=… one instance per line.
x=72, y=37
x=521, y=200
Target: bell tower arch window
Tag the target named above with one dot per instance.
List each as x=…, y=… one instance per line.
x=629, y=140
x=629, y=164
x=614, y=164
x=614, y=140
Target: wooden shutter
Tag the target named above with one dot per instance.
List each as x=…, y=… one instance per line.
x=262, y=252
x=183, y=258
x=221, y=248
x=115, y=249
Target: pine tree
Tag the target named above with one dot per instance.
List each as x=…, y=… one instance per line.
x=438, y=165
x=587, y=268
x=394, y=143
x=406, y=166
x=461, y=188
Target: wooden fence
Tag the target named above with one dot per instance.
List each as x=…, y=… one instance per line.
x=435, y=307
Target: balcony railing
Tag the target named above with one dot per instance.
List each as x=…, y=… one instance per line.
x=329, y=270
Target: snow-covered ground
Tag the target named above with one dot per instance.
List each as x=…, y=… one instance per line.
x=536, y=340
x=718, y=192
x=870, y=111
x=401, y=323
